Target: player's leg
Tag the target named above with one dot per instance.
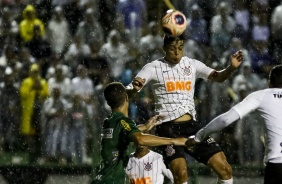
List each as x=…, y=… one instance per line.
x=221, y=167
x=209, y=152
x=178, y=168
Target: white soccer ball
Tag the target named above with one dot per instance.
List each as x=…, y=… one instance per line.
x=174, y=23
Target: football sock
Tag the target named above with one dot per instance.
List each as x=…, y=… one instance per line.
x=230, y=181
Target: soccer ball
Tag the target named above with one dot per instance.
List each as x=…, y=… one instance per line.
x=174, y=23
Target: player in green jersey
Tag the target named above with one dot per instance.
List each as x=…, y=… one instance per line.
x=118, y=131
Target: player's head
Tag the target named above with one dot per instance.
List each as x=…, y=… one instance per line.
x=140, y=148
x=174, y=48
x=275, y=77
x=115, y=94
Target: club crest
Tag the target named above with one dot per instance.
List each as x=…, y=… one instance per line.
x=169, y=150
x=187, y=70
x=148, y=166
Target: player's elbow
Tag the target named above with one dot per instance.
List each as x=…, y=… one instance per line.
x=138, y=139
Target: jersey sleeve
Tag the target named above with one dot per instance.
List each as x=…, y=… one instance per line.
x=249, y=104
x=129, y=126
x=202, y=70
x=165, y=170
x=146, y=72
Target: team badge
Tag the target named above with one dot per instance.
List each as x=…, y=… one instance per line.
x=115, y=155
x=169, y=150
x=187, y=70
x=125, y=125
x=148, y=166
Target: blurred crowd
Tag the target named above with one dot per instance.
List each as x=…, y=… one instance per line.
x=56, y=56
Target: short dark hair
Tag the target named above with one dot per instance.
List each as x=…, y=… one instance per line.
x=275, y=76
x=115, y=94
x=169, y=39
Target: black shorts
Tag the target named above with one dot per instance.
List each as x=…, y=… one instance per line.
x=202, y=152
x=273, y=173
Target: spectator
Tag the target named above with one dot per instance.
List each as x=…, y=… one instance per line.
x=276, y=30
x=58, y=31
x=9, y=59
x=10, y=109
x=261, y=30
x=151, y=44
x=197, y=26
x=59, y=80
x=222, y=26
x=116, y=54
x=261, y=59
x=33, y=92
x=40, y=49
x=55, y=110
x=78, y=130
x=27, y=24
x=235, y=45
x=242, y=17
x=76, y=52
x=8, y=28
x=97, y=65
x=82, y=85
x=90, y=29
x=74, y=14
x=124, y=33
x=134, y=14
x=26, y=60
x=57, y=60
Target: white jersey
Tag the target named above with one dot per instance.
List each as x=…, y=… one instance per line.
x=150, y=169
x=174, y=85
x=269, y=103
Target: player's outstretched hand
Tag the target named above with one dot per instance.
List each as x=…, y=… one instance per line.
x=138, y=83
x=236, y=59
x=153, y=121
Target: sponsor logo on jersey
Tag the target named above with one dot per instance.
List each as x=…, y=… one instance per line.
x=210, y=140
x=169, y=150
x=148, y=166
x=125, y=125
x=107, y=133
x=278, y=95
x=172, y=86
x=115, y=153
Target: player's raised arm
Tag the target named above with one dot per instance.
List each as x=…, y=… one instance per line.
x=151, y=123
x=215, y=125
x=235, y=61
x=135, y=86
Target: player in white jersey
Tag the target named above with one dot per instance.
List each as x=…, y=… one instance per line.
x=173, y=80
x=146, y=166
x=268, y=103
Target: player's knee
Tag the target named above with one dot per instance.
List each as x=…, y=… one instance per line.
x=225, y=172
x=180, y=176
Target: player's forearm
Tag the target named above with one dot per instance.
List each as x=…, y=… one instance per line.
x=217, y=124
x=220, y=76
x=151, y=140
x=143, y=128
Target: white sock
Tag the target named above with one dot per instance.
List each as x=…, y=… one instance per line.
x=185, y=183
x=230, y=181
